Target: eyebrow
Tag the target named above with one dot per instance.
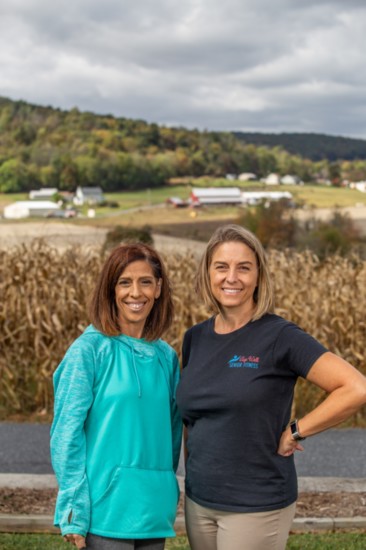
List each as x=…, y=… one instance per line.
x=246, y=262
x=126, y=278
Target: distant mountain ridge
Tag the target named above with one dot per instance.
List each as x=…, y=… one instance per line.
x=309, y=145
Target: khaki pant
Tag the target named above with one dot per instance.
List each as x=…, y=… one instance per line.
x=209, y=529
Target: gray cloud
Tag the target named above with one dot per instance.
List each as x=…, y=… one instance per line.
x=239, y=64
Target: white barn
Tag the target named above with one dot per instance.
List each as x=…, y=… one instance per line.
x=247, y=176
x=215, y=195
x=289, y=179
x=43, y=194
x=272, y=179
x=25, y=209
x=359, y=185
x=88, y=195
x=255, y=197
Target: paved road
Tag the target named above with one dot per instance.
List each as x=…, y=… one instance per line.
x=24, y=448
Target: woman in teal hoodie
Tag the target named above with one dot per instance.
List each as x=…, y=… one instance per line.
x=116, y=434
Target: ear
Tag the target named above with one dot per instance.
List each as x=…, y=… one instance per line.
x=158, y=289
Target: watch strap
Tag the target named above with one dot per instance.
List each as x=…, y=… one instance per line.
x=295, y=431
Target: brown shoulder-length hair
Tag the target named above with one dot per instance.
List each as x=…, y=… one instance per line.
x=103, y=311
x=263, y=295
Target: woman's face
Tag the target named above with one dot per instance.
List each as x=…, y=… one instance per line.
x=234, y=276
x=136, y=291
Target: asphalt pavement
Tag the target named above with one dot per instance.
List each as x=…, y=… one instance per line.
x=24, y=448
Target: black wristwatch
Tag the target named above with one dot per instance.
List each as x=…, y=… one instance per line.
x=295, y=431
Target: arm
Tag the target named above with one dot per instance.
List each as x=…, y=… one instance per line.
x=347, y=393
x=185, y=437
x=73, y=381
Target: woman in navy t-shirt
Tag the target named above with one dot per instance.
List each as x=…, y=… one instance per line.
x=235, y=396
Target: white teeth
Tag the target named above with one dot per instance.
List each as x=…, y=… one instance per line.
x=231, y=290
x=135, y=306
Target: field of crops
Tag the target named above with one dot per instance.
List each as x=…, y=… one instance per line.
x=45, y=292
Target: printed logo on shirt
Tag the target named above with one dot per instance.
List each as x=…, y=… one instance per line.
x=250, y=362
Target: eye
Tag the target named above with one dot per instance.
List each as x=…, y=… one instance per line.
x=146, y=282
x=123, y=282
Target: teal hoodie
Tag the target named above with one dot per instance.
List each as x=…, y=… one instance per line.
x=116, y=437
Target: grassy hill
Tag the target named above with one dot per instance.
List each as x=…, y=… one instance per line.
x=48, y=147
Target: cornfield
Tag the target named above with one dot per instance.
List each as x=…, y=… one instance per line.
x=45, y=293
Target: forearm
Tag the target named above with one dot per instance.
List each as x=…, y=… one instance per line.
x=337, y=407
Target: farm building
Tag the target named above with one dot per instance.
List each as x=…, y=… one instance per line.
x=177, y=202
x=215, y=195
x=272, y=179
x=88, y=195
x=247, y=176
x=43, y=194
x=291, y=180
x=25, y=209
x=255, y=197
x=359, y=185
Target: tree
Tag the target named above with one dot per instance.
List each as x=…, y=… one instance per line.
x=14, y=177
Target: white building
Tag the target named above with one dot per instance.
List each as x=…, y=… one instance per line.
x=215, y=195
x=255, y=197
x=25, y=209
x=272, y=179
x=288, y=179
x=43, y=194
x=247, y=176
x=88, y=195
x=359, y=185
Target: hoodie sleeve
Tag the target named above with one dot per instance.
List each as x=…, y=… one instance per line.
x=73, y=386
x=176, y=418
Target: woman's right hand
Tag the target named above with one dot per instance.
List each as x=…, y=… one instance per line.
x=76, y=540
x=288, y=445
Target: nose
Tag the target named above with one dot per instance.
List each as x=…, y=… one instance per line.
x=135, y=290
x=231, y=275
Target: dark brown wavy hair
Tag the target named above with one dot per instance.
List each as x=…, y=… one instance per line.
x=103, y=311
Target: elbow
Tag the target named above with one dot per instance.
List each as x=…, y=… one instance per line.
x=359, y=393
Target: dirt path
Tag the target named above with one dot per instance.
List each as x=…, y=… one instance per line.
x=63, y=235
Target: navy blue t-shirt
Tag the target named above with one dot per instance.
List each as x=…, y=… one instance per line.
x=235, y=398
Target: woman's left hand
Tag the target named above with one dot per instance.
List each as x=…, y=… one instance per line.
x=288, y=445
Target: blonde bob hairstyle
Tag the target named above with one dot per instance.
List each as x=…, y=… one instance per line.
x=263, y=295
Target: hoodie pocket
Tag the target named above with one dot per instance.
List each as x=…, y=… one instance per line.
x=112, y=483
x=140, y=502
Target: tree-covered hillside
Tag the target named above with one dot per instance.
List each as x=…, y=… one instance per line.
x=48, y=147
x=312, y=146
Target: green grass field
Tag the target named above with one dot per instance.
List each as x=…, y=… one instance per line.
x=318, y=196
x=324, y=541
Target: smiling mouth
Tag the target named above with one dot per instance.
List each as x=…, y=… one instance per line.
x=231, y=291
x=135, y=306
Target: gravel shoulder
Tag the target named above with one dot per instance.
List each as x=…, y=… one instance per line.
x=316, y=505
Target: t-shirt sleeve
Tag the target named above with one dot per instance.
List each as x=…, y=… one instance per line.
x=186, y=347
x=297, y=350
x=176, y=418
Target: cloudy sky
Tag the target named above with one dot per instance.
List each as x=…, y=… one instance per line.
x=251, y=65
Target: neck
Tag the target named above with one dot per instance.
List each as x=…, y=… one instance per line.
x=130, y=329
x=229, y=321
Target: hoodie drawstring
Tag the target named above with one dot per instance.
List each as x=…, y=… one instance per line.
x=136, y=372
x=131, y=348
